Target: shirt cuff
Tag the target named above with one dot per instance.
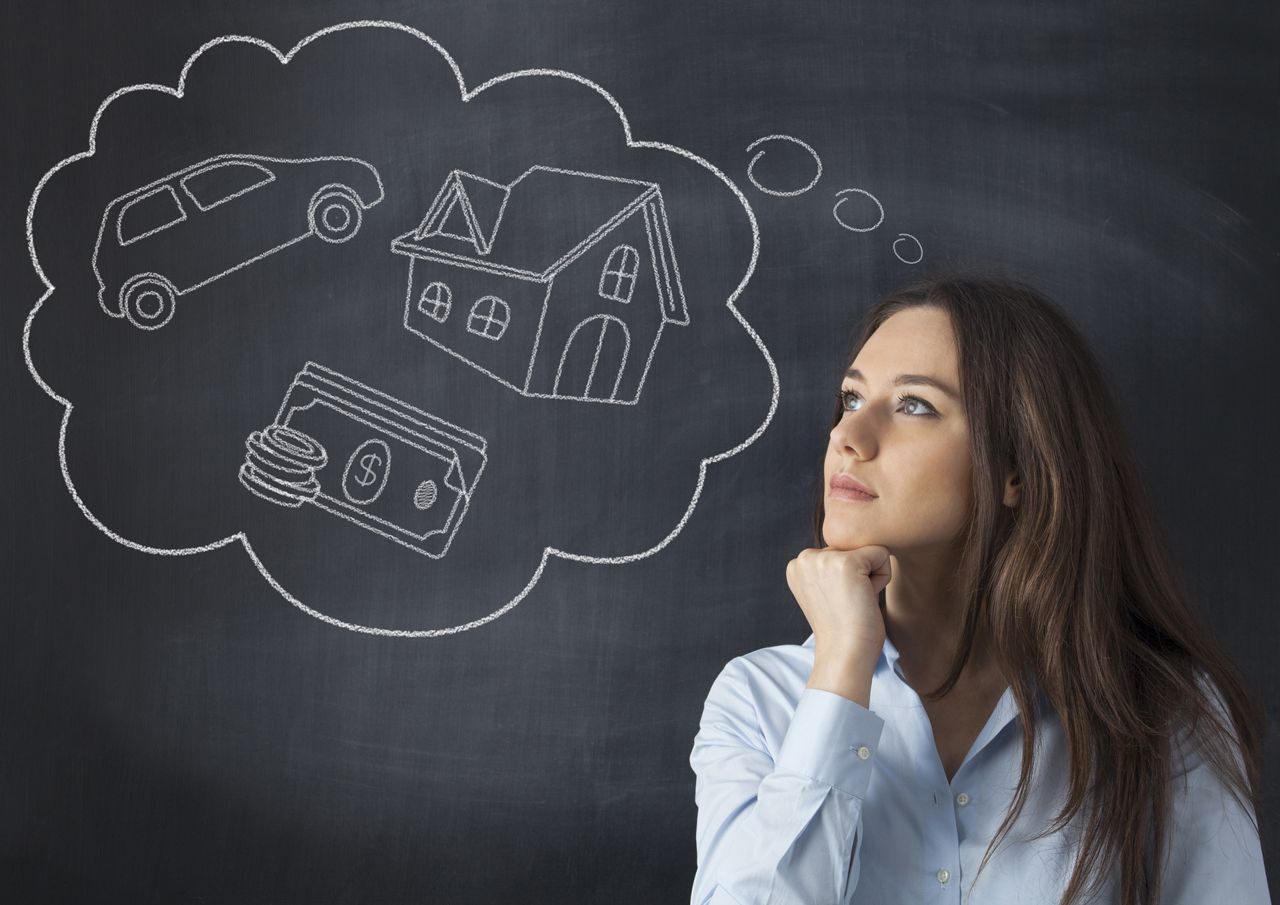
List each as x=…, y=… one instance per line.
x=833, y=740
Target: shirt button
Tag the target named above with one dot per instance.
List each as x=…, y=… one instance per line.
x=864, y=752
x=962, y=799
x=943, y=875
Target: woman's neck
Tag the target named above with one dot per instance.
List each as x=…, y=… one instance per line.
x=923, y=619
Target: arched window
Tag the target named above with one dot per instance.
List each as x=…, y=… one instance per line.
x=489, y=317
x=618, y=279
x=435, y=301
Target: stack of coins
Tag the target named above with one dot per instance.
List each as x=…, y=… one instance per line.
x=281, y=465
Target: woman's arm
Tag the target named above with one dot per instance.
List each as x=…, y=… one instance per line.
x=788, y=831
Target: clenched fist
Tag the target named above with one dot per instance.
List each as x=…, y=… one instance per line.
x=839, y=591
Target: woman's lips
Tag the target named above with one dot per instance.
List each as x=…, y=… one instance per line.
x=846, y=493
x=843, y=487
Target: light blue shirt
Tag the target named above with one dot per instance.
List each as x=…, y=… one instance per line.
x=807, y=797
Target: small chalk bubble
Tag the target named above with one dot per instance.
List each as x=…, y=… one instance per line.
x=845, y=196
x=911, y=251
x=782, y=193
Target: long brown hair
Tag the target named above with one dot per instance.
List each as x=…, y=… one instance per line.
x=1074, y=590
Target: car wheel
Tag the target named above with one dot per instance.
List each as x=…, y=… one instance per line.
x=334, y=215
x=148, y=301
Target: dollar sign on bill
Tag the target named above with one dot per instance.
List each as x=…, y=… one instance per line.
x=366, y=471
x=369, y=462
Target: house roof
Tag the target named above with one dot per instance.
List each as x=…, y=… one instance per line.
x=534, y=226
x=467, y=207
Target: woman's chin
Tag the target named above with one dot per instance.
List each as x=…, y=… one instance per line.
x=845, y=540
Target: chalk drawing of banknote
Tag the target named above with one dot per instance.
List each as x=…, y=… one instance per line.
x=366, y=457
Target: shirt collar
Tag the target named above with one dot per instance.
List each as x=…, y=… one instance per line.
x=888, y=655
x=888, y=661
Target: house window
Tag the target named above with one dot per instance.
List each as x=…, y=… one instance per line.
x=618, y=279
x=435, y=301
x=489, y=317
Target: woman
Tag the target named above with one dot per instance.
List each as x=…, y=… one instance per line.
x=1002, y=650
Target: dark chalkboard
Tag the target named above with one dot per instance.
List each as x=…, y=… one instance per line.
x=406, y=420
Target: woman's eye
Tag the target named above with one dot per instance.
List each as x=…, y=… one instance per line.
x=925, y=410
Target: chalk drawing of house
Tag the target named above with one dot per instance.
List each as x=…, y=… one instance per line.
x=557, y=285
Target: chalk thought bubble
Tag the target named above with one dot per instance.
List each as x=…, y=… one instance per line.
x=781, y=147
x=862, y=202
x=402, y=339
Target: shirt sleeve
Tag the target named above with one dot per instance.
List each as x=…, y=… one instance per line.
x=780, y=832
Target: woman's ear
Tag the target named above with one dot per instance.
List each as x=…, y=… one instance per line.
x=1012, y=489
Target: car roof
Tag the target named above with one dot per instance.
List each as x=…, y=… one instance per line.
x=177, y=174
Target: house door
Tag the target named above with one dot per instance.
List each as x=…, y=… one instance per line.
x=593, y=358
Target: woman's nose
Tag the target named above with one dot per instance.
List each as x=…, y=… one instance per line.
x=853, y=432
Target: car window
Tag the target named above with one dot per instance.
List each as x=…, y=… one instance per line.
x=149, y=214
x=223, y=181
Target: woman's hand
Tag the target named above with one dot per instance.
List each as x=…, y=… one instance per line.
x=839, y=591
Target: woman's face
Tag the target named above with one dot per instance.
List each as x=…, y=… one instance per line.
x=913, y=453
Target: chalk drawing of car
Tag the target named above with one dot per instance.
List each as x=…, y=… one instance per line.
x=189, y=228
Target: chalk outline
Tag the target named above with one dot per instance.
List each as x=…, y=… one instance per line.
x=387, y=416
x=619, y=273
x=497, y=305
x=386, y=471
x=759, y=154
x=670, y=289
x=120, y=239
x=271, y=177
x=117, y=206
x=443, y=299
x=857, y=229
x=451, y=194
x=902, y=236
x=466, y=96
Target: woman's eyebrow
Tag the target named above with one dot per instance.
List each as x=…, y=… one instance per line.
x=901, y=379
